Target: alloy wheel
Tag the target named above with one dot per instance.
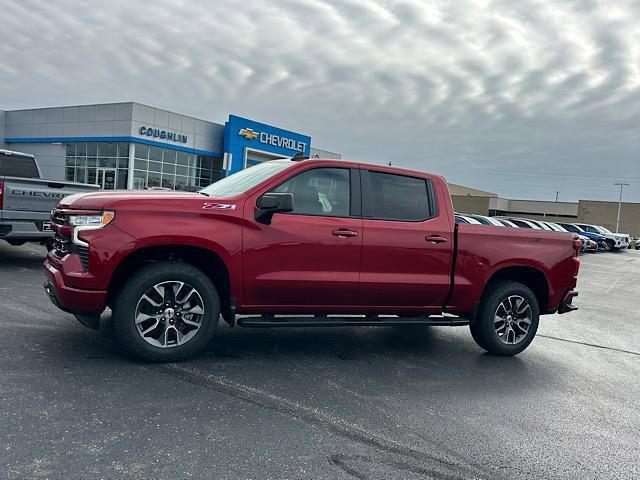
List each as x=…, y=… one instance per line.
x=512, y=320
x=169, y=314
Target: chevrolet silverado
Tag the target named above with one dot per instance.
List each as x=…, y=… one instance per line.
x=299, y=242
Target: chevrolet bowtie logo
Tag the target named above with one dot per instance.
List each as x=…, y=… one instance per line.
x=248, y=133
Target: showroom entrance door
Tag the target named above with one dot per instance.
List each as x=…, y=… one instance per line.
x=106, y=178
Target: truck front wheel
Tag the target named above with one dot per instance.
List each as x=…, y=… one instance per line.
x=166, y=311
x=507, y=319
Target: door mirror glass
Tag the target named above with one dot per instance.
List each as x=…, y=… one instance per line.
x=276, y=202
x=271, y=203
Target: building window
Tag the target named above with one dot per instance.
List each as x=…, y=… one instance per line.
x=102, y=163
x=177, y=170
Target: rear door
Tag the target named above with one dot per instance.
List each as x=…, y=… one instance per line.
x=407, y=244
x=307, y=260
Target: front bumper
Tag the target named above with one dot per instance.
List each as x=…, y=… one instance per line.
x=72, y=300
x=566, y=305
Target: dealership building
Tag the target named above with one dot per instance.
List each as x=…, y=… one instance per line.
x=135, y=146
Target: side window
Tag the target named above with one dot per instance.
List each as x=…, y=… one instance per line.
x=399, y=197
x=320, y=191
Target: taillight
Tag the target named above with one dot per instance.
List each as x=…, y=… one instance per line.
x=1, y=193
x=577, y=246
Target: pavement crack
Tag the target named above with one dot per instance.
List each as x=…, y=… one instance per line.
x=595, y=345
x=439, y=466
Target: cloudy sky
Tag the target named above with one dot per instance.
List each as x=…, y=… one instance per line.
x=523, y=98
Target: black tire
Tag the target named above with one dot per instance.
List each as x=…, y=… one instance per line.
x=483, y=328
x=126, y=301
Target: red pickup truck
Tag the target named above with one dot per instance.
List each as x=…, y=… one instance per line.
x=301, y=243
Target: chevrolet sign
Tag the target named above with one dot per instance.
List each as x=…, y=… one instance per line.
x=273, y=139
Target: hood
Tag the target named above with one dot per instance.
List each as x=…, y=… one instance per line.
x=103, y=199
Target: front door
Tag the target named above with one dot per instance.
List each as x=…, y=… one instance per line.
x=310, y=257
x=107, y=178
x=407, y=246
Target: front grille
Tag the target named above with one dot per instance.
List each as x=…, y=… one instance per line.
x=61, y=245
x=83, y=253
x=59, y=218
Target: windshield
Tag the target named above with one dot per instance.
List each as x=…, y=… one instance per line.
x=571, y=228
x=602, y=229
x=556, y=227
x=483, y=221
x=245, y=179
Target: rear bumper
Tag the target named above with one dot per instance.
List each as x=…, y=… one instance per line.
x=23, y=230
x=72, y=300
x=566, y=305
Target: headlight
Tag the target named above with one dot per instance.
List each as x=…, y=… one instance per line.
x=80, y=223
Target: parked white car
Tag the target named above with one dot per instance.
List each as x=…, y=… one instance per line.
x=462, y=218
x=616, y=240
x=489, y=221
x=588, y=245
x=522, y=222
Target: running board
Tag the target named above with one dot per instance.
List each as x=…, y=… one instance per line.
x=268, y=322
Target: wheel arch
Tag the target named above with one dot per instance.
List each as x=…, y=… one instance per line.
x=532, y=277
x=206, y=260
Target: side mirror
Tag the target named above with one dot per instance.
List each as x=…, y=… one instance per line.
x=271, y=203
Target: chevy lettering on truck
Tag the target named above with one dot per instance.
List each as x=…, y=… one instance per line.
x=26, y=199
x=299, y=242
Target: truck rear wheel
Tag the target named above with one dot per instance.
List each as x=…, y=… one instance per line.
x=166, y=311
x=507, y=319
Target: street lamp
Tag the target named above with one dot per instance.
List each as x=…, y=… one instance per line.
x=622, y=185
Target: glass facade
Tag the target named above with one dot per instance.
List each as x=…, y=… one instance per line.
x=107, y=164
x=102, y=163
x=163, y=167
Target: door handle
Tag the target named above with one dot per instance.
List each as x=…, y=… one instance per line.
x=435, y=239
x=344, y=233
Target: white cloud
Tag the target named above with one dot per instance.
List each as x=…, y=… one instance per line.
x=495, y=94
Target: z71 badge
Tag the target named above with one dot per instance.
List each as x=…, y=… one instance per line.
x=218, y=206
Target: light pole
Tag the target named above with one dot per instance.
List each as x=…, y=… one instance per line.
x=622, y=185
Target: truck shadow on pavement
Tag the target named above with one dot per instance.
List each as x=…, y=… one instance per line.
x=439, y=352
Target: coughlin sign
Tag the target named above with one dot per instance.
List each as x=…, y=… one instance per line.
x=163, y=134
x=273, y=139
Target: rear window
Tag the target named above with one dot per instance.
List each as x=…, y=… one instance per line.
x=18, y=166
x=399, y=197
x=521, y=223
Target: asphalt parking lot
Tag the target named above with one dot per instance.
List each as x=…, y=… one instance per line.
x=367, y=403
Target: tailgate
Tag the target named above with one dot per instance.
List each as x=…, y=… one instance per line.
x=36, y=195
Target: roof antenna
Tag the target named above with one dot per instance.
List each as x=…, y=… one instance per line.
x=299, y=156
